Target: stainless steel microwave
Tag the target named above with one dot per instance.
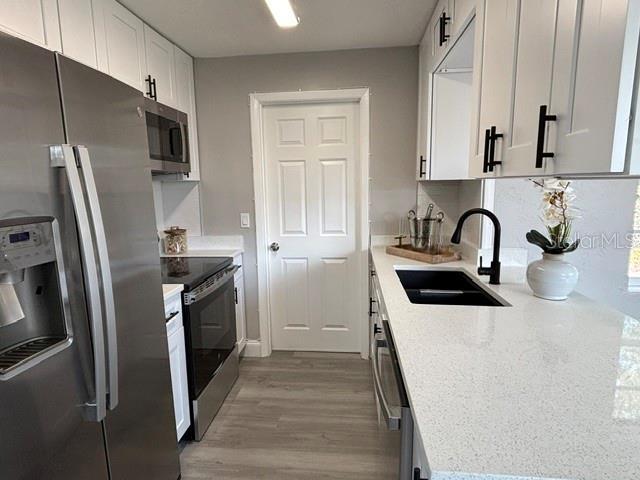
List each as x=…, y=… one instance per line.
x=168, y=138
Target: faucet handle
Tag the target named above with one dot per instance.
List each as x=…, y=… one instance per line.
x=482, y=270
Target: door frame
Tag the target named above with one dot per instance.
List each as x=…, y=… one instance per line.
x=262, y=347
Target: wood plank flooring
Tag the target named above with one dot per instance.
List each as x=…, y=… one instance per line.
x=296, y=415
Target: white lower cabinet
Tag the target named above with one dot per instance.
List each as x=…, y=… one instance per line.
x=178, y=364
x=33, y=20
x=241, y=321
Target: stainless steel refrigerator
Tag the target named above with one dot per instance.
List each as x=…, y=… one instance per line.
x=85, y=388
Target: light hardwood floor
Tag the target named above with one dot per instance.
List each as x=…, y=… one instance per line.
x=296, y=415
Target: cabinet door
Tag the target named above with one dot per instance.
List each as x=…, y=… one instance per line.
x=531, y=85
x=77, y=29
x=450, y=115
x=442, y=31
x=592, y=85
x=33, y=20
x=123, y=56
x=186, y=102
x=493, y=66
x=424, y=92
x=161, y=66
x=241, y=324
x=178, y=365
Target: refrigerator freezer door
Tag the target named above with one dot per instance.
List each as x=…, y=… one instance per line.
x=107, y=117
x=45, y=433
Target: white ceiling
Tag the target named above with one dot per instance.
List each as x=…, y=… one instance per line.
x=220, y=28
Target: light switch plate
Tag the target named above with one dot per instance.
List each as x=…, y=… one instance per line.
x=245, y=221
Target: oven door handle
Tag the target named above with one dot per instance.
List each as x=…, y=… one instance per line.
x=392, y=421
x=209, y=286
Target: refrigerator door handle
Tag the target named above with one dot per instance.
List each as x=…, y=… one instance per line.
x=63, y=156
x=105, y=272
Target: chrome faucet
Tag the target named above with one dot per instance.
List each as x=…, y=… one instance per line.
x=494, y=270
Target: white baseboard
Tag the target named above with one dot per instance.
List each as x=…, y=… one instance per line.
x=253, y=348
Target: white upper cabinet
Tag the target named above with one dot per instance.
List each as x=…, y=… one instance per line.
x=186, y=102
x=441, y=27
x=123, y=55
x=493, y=72
x=446, y=93
x=555, y=87
x=33, y=20
x=77, y=28
x=161, y=67
x=424, y=101
x=594, y=66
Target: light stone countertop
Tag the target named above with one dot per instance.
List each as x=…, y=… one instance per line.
x=170, y=289
x=535, y=390
x=212, y=246
x=209, y=252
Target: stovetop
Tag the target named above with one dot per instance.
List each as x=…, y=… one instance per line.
x=191, y=271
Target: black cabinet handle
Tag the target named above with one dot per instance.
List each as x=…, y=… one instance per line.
x=235, y=294
x=149, y=87
x=492, y=148
x=543, y=118
x=155, y=90
x=485, y=154
x=416, y=474
x=444, y=19
x=423, y=164
x=371, y=302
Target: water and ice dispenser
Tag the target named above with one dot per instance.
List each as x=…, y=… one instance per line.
x=33, y=304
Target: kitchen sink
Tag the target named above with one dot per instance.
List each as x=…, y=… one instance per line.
x=445, y=287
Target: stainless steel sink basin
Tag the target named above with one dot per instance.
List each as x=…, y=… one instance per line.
x=445, y=287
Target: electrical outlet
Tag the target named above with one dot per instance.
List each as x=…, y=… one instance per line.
x=245, y=221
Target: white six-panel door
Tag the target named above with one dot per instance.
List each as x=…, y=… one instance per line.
x=311, y=162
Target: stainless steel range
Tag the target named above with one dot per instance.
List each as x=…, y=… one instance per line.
x=209, y=313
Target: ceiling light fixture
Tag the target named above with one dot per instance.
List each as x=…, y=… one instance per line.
x=283, y=13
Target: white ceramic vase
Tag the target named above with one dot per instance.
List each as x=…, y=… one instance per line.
x=551, y=277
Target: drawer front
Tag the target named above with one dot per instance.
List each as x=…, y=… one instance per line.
x=173, y=313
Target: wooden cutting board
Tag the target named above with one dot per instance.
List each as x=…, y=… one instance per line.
x=407, y=251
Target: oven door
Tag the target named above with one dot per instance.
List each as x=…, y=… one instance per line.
x=211, y=335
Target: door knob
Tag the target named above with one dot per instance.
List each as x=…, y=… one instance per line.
x=274, y=246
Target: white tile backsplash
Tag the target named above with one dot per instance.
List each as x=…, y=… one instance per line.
x=177, y=203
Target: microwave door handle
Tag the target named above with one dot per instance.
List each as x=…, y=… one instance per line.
x=62, y=156
x=183, y=139
x=393, y=422
x=105, y=272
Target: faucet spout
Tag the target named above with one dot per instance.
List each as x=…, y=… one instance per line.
x=494, y=270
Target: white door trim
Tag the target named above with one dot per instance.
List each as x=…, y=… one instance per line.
x=258, y=101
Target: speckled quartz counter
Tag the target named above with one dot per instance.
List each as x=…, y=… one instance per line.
x=535, y=390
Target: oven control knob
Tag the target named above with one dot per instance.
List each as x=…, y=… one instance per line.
x=274, y=246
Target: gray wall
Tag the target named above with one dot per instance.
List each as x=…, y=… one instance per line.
x=222, y=98
x=607, y=213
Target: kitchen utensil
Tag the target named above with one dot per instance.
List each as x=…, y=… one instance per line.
x=429, y=211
